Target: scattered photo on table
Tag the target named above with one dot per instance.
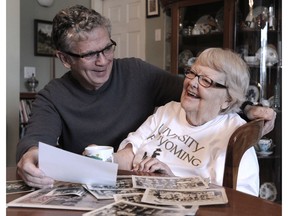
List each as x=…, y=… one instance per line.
x=132, y=197
x=188, y=197
x=178, y=183
x=126, y=208
x=17, y=186
x=137, y=197
x=123, y=186
x=61, y=196
x=109, y=194
x=121, y=183
x=76, y=191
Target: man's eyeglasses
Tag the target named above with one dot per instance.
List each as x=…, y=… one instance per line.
x=93, y=56
x=203, y=80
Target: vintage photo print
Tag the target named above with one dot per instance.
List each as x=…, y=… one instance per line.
x=109, y=194
x=121, y=183
x=62, y=196
x=126, y=208
x=137, y=197
x=175, y=183
x=188, y=197
x=17, y=186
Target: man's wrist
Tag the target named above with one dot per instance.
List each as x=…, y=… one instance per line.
x=249, y=103
x=246, y=103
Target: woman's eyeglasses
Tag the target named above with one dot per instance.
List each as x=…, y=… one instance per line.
x=203, y=80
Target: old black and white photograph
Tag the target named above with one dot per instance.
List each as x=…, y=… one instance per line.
x=48, y=198
x=108, y=194
x=17, y=186
x=168, y=182
x=188, y=197
x=121, y=183
x=126, y=208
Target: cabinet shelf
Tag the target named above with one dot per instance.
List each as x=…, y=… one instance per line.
x=253, y=31
x=25, y=105
x=268, y=157
x=27, y=95
x=209, y=35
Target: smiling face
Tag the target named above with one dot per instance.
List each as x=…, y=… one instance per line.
x=203, y=104
x=91, y=74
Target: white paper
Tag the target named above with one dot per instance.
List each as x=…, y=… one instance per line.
x=65, y=166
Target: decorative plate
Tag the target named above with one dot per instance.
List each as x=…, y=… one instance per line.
x=204, y=25
x=184, y=56
x=271, y=55
x=251, y=60
x=268, y=191
x=255, y=13
x=191, y=61
x=253, y=93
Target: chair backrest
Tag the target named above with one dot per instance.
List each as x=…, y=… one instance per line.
x=242, y=139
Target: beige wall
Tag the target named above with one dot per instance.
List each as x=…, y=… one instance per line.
x=155, y=49
x=12, y=78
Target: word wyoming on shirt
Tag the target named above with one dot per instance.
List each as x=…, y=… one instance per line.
x=172, y=142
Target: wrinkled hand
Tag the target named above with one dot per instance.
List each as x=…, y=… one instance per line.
x=27, y=169
x=266, y=113
x=152, y=165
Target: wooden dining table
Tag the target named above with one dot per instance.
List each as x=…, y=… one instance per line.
x=239, y=204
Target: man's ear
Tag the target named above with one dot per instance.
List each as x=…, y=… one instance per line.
x=65, y=61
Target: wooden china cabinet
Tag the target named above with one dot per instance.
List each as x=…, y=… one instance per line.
x=185, y=14
x=253, y=29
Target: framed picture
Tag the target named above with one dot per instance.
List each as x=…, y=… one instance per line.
x=42, y=38
x=152, y=8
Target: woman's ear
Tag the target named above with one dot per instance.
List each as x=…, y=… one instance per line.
x=226, y=104
x=63, y=58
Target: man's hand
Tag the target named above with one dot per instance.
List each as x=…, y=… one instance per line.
x=266, y=113
x=27, y=169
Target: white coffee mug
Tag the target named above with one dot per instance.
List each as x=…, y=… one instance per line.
x=103, y=153
x=264, y=144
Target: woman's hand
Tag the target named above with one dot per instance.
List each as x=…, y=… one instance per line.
x=150, y=164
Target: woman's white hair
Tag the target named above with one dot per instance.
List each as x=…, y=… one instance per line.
x=236, y=72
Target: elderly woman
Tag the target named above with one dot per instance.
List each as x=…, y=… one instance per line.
x=191, y=137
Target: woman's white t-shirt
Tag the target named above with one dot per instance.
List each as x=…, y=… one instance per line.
x=193, y=150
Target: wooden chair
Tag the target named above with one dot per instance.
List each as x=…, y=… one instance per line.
x=243, y=138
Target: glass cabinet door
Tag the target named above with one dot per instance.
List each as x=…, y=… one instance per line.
x=200, y=26
x=258, y=30
x=197, y=25
x=258, y=40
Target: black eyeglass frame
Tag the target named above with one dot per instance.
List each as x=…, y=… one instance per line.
x=94, y=53
x=200, y=77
